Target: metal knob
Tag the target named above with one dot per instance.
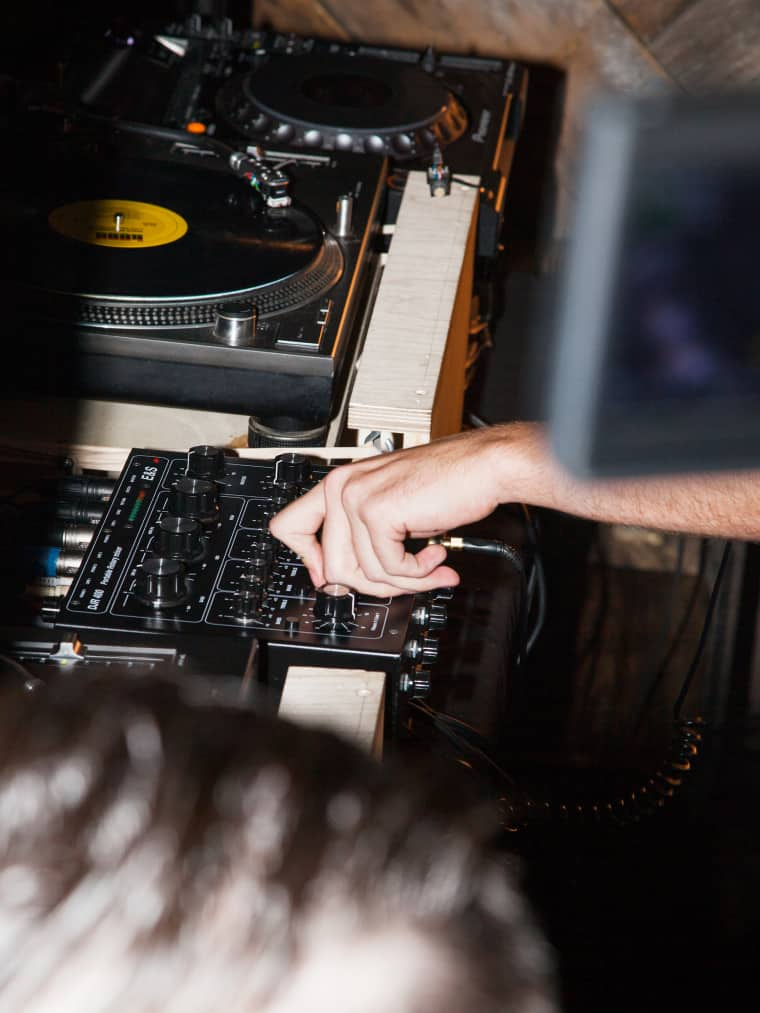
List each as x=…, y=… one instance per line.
x=235, y=324
x=180, y=538
x=291, y=469
x=194, y=497
x=248, y=600
x=335, y=605
x=432, y=616
x=205, y=462
x=424, y=650
x=344, y=212
x=160, y=582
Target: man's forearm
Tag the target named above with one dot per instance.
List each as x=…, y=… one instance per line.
x=722, y=505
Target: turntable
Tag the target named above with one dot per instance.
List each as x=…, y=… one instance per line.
x=352, y=102
x=139, y=277
x=140, y=266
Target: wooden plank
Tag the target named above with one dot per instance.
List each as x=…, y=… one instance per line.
x=104, y=423
x=349, y=702
x=647, y=18
x=400, y=364
x=289, y=16
x=713, y=45
x=448, y=404
x=112, y=459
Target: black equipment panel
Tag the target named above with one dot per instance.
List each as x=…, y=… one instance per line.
x=180, y=553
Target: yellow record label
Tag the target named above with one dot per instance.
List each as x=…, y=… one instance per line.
x=128, y=224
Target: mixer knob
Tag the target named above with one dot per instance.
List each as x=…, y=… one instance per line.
x=417, y=683
x=261, y=548
x=424, y=650
x=160, y=582
x=258, y=567
x=291, y=469
x=248, y=601
x=194, y=497
x=205, y=462
x=180, y=538
x=278, y=502
x=335, y=604
x=235, y=324
x=432, y=616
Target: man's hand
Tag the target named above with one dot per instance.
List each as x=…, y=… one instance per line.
x=366, y=510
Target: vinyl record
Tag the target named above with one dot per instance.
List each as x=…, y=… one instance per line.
x=145, y=231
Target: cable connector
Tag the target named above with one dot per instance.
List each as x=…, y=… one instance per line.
x=487, y=546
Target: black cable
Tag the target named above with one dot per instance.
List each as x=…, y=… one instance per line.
x=536, y=581
x=661, y=671
x=537, y=572
x=692, y=671
x=477, y=421
x=494, y=547
x=462, y=737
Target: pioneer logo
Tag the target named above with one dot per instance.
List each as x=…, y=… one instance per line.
x=483, y=124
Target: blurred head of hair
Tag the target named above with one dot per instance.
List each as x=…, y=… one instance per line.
x=162, y=850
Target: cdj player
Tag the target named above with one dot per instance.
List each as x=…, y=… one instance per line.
x=192, y=219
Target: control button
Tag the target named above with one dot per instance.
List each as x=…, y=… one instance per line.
x=205, y=462
x=292, y=626
x=160, y=582
x=194, y=497
x=291, y=469
x=180, y=538
x=335, y=606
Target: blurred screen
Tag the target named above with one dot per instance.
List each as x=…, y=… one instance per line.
x=687, y=309
x=657, y=334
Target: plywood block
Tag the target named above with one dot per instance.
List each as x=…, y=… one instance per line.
x=397, y=378
x=349, y=702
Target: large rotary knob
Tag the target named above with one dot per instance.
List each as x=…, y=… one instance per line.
x=180, y=538
x=335, y=606
x=196, y=498
x=205, y=462
x=160, y=582
x=291, y=469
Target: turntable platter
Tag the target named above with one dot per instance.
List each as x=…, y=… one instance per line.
x=144, y=233
x=351, y=103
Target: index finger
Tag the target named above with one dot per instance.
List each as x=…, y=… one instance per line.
x=297, y=524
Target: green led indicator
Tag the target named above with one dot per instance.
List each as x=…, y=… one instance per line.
x=137, y=505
